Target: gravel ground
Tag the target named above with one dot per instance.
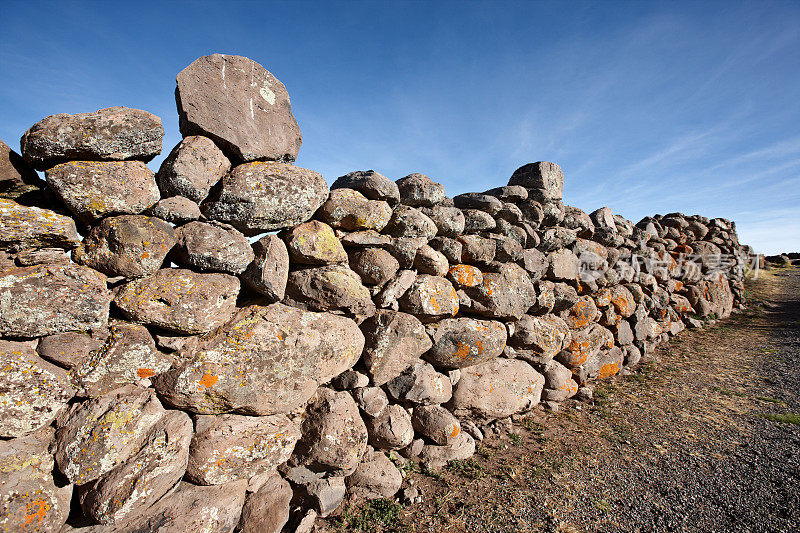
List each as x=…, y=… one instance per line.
x=697, y=439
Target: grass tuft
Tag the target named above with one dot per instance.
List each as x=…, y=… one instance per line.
x=375, y=515
x=784, y=418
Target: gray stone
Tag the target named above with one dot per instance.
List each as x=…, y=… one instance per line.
x=371, y=184
x=192, y=168
x=93, y=190
x=266, y=196
x=69, y=349
x=410, y=222
x=496, y=389
x=176, y=210
x=375, y=478
x=314, y=243
x=264, y=360
x=394, y=341
x=329, y=288
x=113, y=133
x=213, y=246
x=32, y=391
x=477, y=249
x=429, y=261
x=240, y=105
x=375, y=265
x=434, y=457
x=371, y=400
x=180, y=300
x=543, y=176
x=421, y=384
x=481, y=202
x=449, y=220
x=30, y=228
x=477, y=221
x=47, y=299
x=419, y=190
x=508, y=293
x=230, y=447
x=350, y=210
x=132, y=246
x=391, y=429
x=461, y=342
x=540, y=338
x=267, y=509
x=269, y=271
x=430, y=297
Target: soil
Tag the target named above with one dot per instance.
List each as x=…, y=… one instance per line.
x=703, y=436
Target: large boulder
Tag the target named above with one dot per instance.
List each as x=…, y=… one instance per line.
x=394, y=342
x=29, y=498
x=350, y=210
x=132, y=246
x=213, y=246
x=104, y=432
x=128, y=355
x=376, y=266
x=214, y=509
x=30, y=228
x=267, y=509
x=420, y=191
x=329, y=288
x=93, y=190
x=334, y=435
x=544, y=177
x=496, y=389
x=269, y=271
x=46, y=299
x=266, y=196
x=32, y=391
x=391, y=429
x=192, y=168
x=461, y=342
x=110, y=134
x=264, y=360
x=180, y=300
x=410, y=222
x=70, y=349
x=240, y=105
x=145, y=477
x=230, y=447
x=508, y=293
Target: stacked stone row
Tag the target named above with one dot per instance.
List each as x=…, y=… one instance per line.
x=229, y=339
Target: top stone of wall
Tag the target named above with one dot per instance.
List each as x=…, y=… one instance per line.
x=241, y=106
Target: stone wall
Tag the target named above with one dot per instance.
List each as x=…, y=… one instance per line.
x=228, y=340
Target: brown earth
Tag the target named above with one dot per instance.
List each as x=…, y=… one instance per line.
x=703, y=436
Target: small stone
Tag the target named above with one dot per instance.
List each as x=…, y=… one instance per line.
x=192, y=168
x=375, y=265
x=132, y=246
x=240, y=105
x=180, y=300
x=328, y=288
x=326, y=494
x=421, y=384
x=314, y=243
x=350, y=210
x=93, y=190
x=465, y=276
x=429, y=261
x=371, y=400
x=230, y=447
x=350, y=379
x=409, y=222
x=375, y=478
x=113, y=133
x=434, y=457
x=436, y=423
x=430, y=296
x=269, y=271
x=213, y=246
x=176, y=210
x=371, y=184
x=419, y=190
x=391, y=429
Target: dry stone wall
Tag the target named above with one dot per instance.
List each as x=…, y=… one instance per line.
x=228, y=341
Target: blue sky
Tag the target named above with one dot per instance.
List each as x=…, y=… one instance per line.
x=649, y=107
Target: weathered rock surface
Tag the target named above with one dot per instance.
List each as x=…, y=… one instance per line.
x=269, y=271
x=433, y=457
x=139, y=482
x=394, y=341
x=421, y=384
x=129, y=355
x=267, y=509
x=176, y=210
x=18, y=181
x=461, y=342
x=32, y=391
x=69, y=349
x=104, y=432
x=192, y=168
x=230, y=447
x=391, y=429
x=46, y=299
x=410, y=222
x=436, y=423
x=240, y=105
x=132, y=246
x=180, y=300
x=110, y=134
x=419, y=190
x=266, y=196
x=585, y=344
x=375, y=265
x=213, y=246
x=429, y=297
x=350, y=210
x=314, y=243
x=334, y=435
x=376, y=477
x=93, y=190
x=545, y=177
x=371, y=184
x=264, y=360
x=329, y=288
x=508, y=293
x=496, y=389
x=30, y=228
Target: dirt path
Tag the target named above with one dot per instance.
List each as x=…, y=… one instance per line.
x=703, y=437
